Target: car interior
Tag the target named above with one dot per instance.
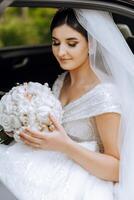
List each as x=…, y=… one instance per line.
x=37, y=63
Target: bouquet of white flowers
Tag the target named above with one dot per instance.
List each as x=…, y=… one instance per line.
x=28, y=105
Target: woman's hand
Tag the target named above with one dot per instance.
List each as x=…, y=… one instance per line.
x=57, y=140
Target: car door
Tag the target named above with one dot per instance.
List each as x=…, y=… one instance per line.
x=35, y=62
x=22, y=62
x=29, y=60
x=21, y=59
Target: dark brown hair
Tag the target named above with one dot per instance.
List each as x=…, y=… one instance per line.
x=67, y=16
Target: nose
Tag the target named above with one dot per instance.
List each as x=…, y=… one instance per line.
x=62, y=51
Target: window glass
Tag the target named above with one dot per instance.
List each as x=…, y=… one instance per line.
x=25, y=26
x=126, y=26
x=30, y=26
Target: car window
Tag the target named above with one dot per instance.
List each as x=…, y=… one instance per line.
x=120, y=19
x=30, y=26
x=25, y=26
x=126, y=26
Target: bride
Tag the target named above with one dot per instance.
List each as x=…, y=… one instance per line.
x=89, y=155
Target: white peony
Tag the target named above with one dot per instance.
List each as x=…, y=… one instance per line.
x=28, y=105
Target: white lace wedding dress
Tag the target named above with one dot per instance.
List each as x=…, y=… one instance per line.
x=46, y=175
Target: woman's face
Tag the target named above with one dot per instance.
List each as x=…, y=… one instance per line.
x=69, y=47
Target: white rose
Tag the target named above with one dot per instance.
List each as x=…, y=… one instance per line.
x=18, y=110
x=16, y=124
x=42, y=114
x=1, y=108
x=32, y=120
x=6, y=122
x=6, y=102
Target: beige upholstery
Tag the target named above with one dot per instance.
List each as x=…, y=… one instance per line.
x=125, y=30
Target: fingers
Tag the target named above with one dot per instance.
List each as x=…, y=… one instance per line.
x=34, y=134
x=56, y=123
x=34, y=145
x=32, y=138
x=51, y=127
x=29, y=140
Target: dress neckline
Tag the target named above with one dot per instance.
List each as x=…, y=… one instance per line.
x=77, y=99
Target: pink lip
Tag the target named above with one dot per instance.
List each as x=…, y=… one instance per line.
x=63, y=60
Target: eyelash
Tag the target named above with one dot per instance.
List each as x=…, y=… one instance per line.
x=57, y=44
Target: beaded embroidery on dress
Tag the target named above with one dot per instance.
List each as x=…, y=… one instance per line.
x=47, y=175
x=78, y=114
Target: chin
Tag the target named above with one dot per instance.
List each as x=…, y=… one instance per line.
x=67, y=67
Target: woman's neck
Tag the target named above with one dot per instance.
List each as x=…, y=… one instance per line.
x=81, y=76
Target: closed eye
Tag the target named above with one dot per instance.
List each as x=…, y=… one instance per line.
x=55, y=43
x=72, y=44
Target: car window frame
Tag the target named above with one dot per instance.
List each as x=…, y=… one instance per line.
x=111, y=6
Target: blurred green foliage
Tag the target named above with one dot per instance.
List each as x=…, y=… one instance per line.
x=25, y=26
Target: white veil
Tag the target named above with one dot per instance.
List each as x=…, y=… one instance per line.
x=112, y=59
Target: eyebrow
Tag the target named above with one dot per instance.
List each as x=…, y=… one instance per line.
x=68, y=39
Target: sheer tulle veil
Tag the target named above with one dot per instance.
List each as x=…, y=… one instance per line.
x=112, y=60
